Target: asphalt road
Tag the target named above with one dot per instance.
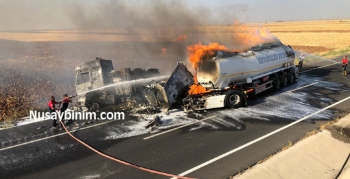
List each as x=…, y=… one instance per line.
x=32, y=151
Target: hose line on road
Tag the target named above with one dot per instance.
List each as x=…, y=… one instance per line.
x=342, y=168
x=121, y=161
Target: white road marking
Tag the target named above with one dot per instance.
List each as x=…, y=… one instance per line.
x=258, y=139
x=302, y=87
x=177, y=128
x=37, y=140
x=319, y=67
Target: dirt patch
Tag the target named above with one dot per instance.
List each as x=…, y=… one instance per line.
x=311, y=49
x=340, y=133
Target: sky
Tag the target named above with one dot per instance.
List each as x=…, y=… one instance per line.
x=84, y=14
x=287, y=10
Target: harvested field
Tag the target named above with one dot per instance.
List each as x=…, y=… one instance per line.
x=315, y=37
x=312, y=49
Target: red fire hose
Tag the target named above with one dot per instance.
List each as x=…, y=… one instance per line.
x=121, y=161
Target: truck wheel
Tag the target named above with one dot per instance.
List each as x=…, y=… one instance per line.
x=234, y=99
x=291, y=78
x=276, y=82
x=284, y=79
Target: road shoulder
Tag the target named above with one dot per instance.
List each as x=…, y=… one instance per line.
x=320, y=156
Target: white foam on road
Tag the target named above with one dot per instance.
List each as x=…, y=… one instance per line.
x=284, y=105
x=203, y=125
x=180, y=127
x=291, y=105
x=134, y=128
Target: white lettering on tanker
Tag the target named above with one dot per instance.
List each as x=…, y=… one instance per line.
x=271, y=58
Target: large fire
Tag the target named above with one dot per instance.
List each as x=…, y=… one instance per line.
x=199, y=52
x=197, y=89
x=244, y=37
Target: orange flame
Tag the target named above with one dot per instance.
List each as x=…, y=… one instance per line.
x=183, y=37
x=197, y=89
x=163, y=51
x=199, y=52
x=244, y=37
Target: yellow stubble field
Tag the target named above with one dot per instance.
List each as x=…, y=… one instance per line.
x=316, y=37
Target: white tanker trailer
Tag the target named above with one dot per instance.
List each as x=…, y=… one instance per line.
x=230, y=76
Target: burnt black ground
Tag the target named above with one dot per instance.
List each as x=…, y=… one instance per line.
x=173, y=152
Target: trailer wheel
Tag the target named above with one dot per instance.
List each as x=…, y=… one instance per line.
x=234, y=99
x=284, y=79
x=291, y=78
x=276, y=82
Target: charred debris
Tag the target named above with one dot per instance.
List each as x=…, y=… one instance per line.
x=100, y=87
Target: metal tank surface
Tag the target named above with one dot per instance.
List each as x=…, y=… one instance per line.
x=228, y=67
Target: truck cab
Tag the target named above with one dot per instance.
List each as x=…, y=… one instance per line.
x=91, y=76
x=98, y=84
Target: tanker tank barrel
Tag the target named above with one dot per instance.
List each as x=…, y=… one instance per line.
x=237, y=67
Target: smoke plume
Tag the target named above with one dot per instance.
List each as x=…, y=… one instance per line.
x=89, y=14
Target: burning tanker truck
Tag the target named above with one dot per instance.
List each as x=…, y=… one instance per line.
x=226, y=79
x=98, y=86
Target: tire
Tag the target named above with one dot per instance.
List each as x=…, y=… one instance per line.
x=291, y=78
x=284, y=79
x=276, y=82
x=234, y=99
